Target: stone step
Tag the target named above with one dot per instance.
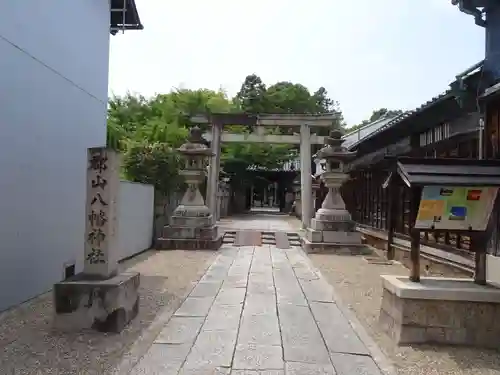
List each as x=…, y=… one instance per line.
x=294, y=239
x=229, y=237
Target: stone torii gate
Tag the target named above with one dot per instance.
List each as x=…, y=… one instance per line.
x=305, y=138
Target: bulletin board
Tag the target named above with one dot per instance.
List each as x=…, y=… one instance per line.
x=455, y=208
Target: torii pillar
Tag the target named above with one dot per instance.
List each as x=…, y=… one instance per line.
x=305, y=174
x=213, y=171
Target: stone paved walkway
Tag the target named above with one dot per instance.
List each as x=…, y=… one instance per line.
x=264, y=222
x=258, y=310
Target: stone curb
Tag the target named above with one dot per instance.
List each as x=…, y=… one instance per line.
x=139, y=348
x=384, y=364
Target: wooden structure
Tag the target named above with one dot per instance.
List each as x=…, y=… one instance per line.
x=448, y=126
x=457, y=197
x=124, y=16
x=451, y=140
x=412, y=174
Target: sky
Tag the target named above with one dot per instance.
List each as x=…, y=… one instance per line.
x=368, y=54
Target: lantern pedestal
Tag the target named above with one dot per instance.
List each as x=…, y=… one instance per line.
x=332, y=229
x=191, y=230
x=192, y=226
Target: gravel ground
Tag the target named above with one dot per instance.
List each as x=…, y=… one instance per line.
x=359, y=286
x=31, y=347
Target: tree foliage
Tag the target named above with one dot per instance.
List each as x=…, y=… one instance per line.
x=252, y=96
x=148, y=130
x=153, y=163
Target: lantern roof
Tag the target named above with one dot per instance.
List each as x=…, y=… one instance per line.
x=334, y=148
x=195, y=144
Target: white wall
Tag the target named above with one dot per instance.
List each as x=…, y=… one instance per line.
x=135, y=218
x=53, y=93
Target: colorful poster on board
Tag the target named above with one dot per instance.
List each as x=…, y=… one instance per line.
x=455, y=208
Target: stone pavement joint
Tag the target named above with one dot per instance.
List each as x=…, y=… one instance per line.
x=259, y=310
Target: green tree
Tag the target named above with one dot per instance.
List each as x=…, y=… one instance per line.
x=148, y=130
x=287, y=97
x=376, y=115
x=252, y=95
x=323, y=103
x=153, y=163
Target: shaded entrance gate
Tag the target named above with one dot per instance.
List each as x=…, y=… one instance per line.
x=299, y=132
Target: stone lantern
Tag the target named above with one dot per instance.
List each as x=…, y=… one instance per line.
x=192, y=225
x=332, y=227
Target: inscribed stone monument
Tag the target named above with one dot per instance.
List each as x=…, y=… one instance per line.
x=99, y=297
x=101, y=212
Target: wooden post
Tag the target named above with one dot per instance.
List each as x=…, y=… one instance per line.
x=414, y=235
x=478, y=242
x=392, y=214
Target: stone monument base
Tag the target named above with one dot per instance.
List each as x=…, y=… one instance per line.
x=441, y=311
x=105, y=305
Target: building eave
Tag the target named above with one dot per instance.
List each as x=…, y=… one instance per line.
x=124, y=16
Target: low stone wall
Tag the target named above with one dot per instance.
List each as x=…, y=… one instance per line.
x=429, y=263
x=164, y=207
x=417, y=321
x=376, y=242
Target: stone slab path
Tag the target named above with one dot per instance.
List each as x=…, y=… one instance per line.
x=262, y=222
x=258, y=310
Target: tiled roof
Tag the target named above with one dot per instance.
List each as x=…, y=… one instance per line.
x=364, y=131
x=457, y=84
x=404, y=116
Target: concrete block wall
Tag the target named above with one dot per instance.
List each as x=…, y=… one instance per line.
x=135, y=218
